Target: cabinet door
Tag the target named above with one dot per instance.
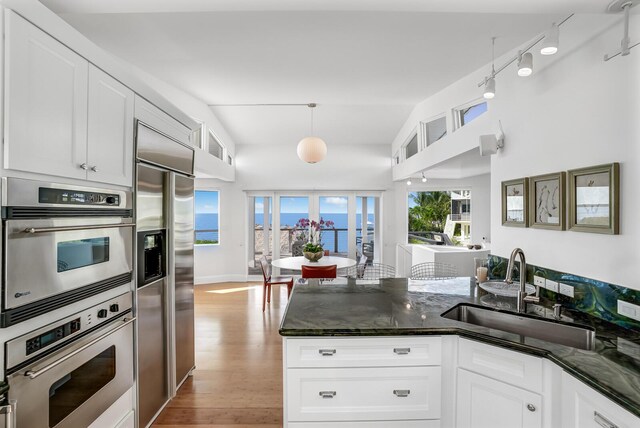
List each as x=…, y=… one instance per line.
x=486, y=403
x=583, y=407
x=45, y=103
x=110, y=131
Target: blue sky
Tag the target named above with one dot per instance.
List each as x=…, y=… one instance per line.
x=206, y=202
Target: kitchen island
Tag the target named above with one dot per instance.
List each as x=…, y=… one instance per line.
x=368, y=333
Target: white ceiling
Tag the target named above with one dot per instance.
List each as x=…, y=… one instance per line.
x=365, y=62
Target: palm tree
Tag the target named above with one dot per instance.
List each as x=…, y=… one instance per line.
x=430, y=212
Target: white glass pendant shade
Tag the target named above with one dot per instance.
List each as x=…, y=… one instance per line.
x=525, y=65
x=312, y=149
x=551, y=41
x=490, y=89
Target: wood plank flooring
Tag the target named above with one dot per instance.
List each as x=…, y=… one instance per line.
x=238, y=378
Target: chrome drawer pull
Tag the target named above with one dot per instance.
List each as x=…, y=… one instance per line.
x=401, y=351
x=602, y=421
x=327, y=352
x=401, y=392
x=327, y=394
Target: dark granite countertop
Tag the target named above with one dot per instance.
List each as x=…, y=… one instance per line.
x=399, y=306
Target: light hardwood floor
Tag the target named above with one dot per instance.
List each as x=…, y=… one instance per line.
x=238, y=377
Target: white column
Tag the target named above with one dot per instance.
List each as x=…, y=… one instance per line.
x=351, y=225
x=251, y=236
x=364, y=221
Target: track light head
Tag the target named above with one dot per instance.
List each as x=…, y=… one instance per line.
x=424, y=179
x=551, y=40
x=490, y=88
x=409, y=182
x=525, y=64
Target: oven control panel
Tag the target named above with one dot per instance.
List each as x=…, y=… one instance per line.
x=47, y=338
x=77, y=197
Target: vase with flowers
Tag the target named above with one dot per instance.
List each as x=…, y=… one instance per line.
x=311, y=232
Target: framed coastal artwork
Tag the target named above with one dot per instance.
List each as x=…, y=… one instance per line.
x=547, y=201
x=515, y=202
x=594, y=199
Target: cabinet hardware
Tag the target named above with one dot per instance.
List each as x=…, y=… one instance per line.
x=401, y=351
x=94, y=168
x=401, y=392
x=84, y=166
x=602, y=421
x=327, y=394
x=326, y=352
x=68, y=228
x=531, y=407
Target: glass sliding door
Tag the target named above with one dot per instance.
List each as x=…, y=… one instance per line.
x=334, y=215
x=292, y=210
x=367, y=226
x=260, y=232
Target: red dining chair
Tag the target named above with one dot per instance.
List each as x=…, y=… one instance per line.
x=270, y=280
x=321, y=272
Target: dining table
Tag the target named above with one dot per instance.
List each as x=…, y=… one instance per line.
x=296, y=263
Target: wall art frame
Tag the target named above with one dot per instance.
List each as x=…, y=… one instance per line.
x=547, y=201
x=515, y=202
x=594, y=199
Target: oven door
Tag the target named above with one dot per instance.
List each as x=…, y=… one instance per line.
x=46, y=257
x=74, y=386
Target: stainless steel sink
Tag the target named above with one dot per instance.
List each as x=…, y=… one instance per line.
x=574, y=335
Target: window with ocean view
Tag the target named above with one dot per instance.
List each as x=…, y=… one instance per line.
x=207, y=222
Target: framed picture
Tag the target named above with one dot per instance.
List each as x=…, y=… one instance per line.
x=594, y=199
x=515, y=202
x=547, y=201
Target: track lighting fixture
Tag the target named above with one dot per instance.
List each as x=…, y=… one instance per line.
x=424, y=179
x=409, y=182
x=551, y=40
x=490, y=88
x=525, y=64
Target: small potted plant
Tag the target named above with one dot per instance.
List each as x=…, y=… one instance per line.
x=313, y=251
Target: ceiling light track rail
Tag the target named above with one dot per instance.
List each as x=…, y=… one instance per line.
x=311, y=105
x=519, y=55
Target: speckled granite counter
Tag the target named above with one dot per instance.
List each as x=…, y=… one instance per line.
x=402, y=307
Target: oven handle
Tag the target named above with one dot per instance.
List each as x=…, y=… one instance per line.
x=67, y=228
x=34, y=374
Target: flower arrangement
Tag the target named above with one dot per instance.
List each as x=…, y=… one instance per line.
x=311, y=231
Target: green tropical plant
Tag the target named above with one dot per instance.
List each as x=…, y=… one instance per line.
x=430, y=212
x=310, y=247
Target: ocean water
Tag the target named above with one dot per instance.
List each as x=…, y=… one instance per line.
x=329, y=237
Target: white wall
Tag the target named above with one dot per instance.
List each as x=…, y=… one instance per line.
x=575, y=111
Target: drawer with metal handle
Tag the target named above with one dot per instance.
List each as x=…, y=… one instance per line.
x=364, y=352
x=363, y=394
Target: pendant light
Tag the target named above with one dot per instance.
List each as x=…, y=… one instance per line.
x=490, y=83
x=312, y=149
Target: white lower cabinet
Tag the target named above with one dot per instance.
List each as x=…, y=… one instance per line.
x=483, y=402
x=364, y=394
x=583, y=407
x=363, y=382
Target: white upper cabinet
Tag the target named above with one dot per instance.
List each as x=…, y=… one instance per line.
x=110, y=130
x=45, y=103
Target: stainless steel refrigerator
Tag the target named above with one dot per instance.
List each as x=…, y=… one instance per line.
x=164, y=264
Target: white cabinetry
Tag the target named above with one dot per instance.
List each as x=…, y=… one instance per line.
x=346, y=382
x=582, y=407
x=110, y=130
x=63, y=116
x=497, y=387
x=45, y=102
x=483, y=402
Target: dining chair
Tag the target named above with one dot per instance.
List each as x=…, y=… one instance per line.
x=270, y=280
x=319, y=272
x=373, y=271
x=433, y=270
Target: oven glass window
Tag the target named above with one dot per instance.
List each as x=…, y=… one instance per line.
x=72, y=390
x=82, y=252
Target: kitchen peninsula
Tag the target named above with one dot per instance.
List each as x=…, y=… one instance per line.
x=360, y=353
